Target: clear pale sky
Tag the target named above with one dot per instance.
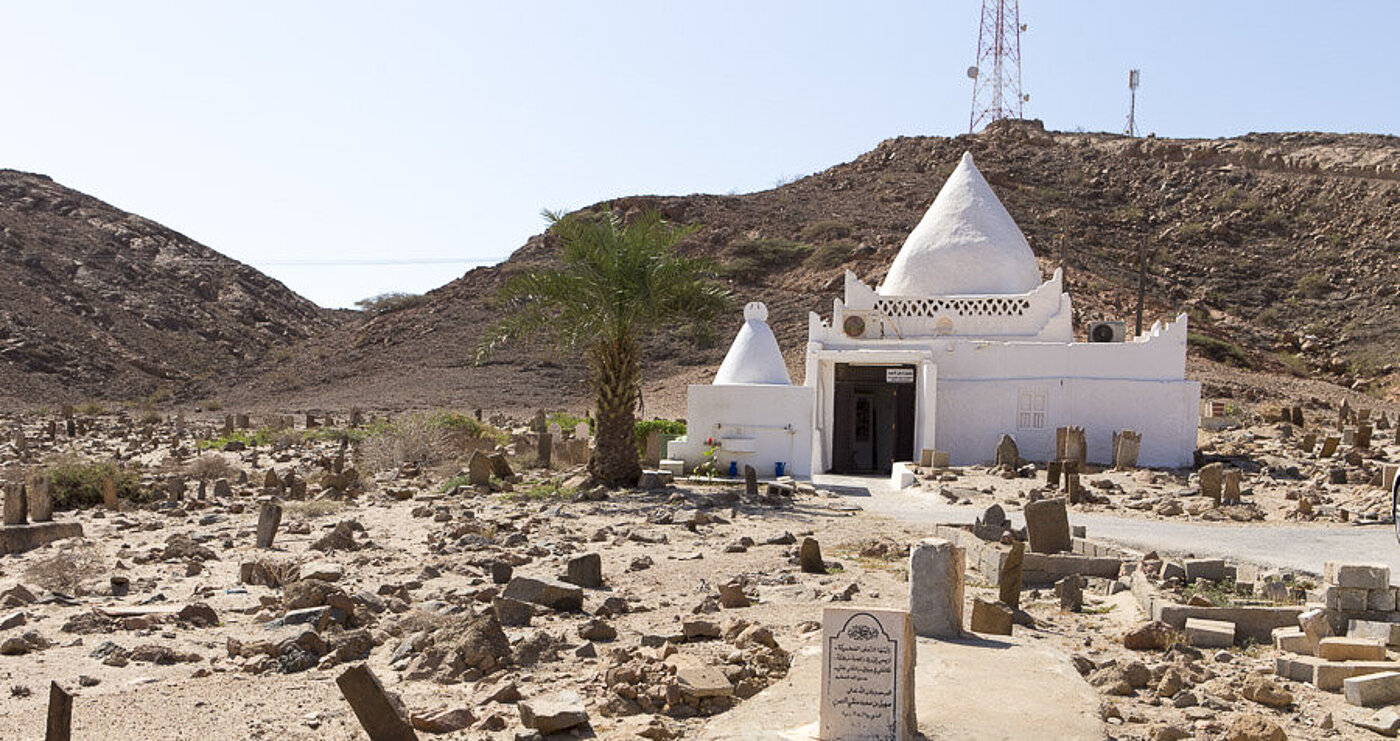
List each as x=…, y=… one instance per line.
x=353, y=137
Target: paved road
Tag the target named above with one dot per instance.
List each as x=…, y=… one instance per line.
x=1297, y=547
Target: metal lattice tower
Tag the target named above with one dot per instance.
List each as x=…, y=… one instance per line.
x=996, y=78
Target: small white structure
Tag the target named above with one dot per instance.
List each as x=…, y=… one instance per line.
x=751, y=414
x=960, y=344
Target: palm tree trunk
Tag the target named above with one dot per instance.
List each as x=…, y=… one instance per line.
x=616, y=372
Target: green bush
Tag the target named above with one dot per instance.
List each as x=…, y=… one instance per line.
x=642, y=428
x=1218, y=350
x=254, y=438
x=830, y=255
x=568, y=422
x=825, y=231
x=75, y=484
x=466, y=425
x=385, y=303
x=1314, y=285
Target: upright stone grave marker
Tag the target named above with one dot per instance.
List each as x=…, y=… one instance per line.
x=109, y=492
x=1047, y=526
x=582, y=431
x=867, y=675
x=1070, y=445
x=1126, y=445
x=1309, y=442
x=936, y=569
x=40, y=500
x=1007, y=452
x=1329, y=446
x=15, y=506
x=544, y=450
x=269, y=517
x=1212, y=478
x=380, y=714
x=1363, y=435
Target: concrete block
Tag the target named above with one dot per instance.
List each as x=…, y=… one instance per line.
x=1380, y=600
x=1385, y=632
x=1205, y=568
x=1210, y=633
x=1329, y=675
x=1250, y=622
x=1316, y=624
x=1297, y=668
x=1356, y=575
x=1351, y=649
x=1345, y=599
x=1294, y=640
x=990, y=618
x=21, y=538
x=1372, y=689
x=936, y=588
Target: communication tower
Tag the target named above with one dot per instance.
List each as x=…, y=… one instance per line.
x=996, y=78
x=1132, y=102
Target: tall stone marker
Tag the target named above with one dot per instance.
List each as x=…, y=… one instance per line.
x=16, y=506
x=269, y=517
x=1047, y=526
x=867, y=675
x=40, y=500
x=936, y=588
x=380, y=716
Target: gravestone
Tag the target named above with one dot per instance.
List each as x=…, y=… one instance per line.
x=1126, y=445
x=15, y=506
x=53, y=429
x=59, y=725
x=809, y=557
x=929, y=458
x=990, y=618
x=380, y=714
x=1074, y=491
x=1309, y=442
x=228, y=425
x=992, y=524
x=653, y=449
x=544, y=449
x=1363, y=415
x=1231, y=493
x=1212, y=478
x=1363, y=435
x=1047, y=526
x=479, y=469
x=1070, y=590
x=936, y=587
x=272, y=484
x=1329, y=446
x=1010, y=574
x=1297, y=415
x=540, y=423
x=750, y=481
x=109, y=492
x=71, y=428
x=1070, y=445
x=40, y=500
x=582, y=431
x=1053, y=470
x=357, y=418
x=867, y=686
x=269, y=517
x=1007, y=453
x=1343, y=415
x=311, y=421
x=242, y=421
x=556, y=431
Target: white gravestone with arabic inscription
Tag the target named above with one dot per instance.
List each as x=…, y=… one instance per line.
x=867, y=675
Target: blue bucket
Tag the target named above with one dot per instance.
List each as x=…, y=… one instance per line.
x=778, y=468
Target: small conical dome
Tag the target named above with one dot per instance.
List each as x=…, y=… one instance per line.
x=754, y=357
x=966, y=244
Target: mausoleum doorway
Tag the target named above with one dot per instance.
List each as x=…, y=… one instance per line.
x=874, y=417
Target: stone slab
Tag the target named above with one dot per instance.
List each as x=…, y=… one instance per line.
x=1297, y=668
x=380, y=716
x=1294, y=640
x=1385, y=632
x=1351, y=649
x=867, y=687
x=1047, y=526
x=1250, y=622
x=1329, y=675
x=1204, y=633
x=21, y=538
x=1356, y=575
x=1204, y=568
x=1373, y=689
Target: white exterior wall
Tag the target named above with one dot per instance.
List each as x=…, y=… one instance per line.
x=974, y=414
x=756, y=424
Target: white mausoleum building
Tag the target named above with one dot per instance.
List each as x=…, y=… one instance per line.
x=963, y=342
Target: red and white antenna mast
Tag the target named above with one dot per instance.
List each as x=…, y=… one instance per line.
x=996, y=78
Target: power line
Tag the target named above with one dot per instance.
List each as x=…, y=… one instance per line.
x=381, y=262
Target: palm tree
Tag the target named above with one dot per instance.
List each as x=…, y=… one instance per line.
x=617, y=283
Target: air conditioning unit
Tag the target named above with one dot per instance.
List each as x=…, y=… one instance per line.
x=1108, y=332
x=861, y=325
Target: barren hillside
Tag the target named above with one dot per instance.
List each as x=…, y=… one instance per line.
x=1284, y=249
x=97, y=303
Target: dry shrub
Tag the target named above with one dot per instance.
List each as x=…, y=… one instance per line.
x=66, y=570
x=416, y=438
x=210, y=466
x=313, y=508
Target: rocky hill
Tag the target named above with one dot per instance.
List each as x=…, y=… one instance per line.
x=97, y=303
x=1283, y=248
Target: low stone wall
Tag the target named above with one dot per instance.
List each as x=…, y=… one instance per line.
x=985, y=558
x=21, y=538
x=1250, y=622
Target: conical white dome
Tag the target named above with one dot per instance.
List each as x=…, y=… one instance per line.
x=966, y=244
x=754, y=357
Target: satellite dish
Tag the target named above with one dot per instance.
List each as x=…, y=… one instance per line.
x=972, y=72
